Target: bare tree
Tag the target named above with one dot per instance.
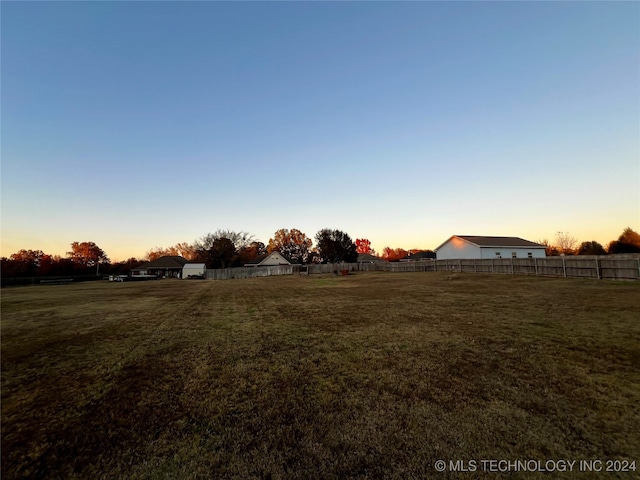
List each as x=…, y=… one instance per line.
x=549, y=250
x=566, y=243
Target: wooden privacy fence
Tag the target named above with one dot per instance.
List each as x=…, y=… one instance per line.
x=244, y=272
x=602, y=267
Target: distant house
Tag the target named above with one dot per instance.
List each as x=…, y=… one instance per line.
x=368, y=258
x=419, y=256
x=168, y=266
x=194, y=270
x=270, y=260
x=468, y=246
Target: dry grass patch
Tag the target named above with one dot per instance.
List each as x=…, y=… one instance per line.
x=366, y=376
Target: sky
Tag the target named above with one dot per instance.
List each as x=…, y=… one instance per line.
x=137, y=125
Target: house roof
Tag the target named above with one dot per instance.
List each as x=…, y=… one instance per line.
x=418, y=256
x=195, y=265
x=257, y=260
x=482, y=241
x=164, y=262
x=367, y=257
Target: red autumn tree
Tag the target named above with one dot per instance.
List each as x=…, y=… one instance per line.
x=363, y=245
x=87, y=254
x=393, y=255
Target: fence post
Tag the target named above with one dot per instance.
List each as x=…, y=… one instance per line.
x=492, y=265
x=511, y=265
x=475, y=266
x=564, y=267
x=597, y=269
x=460, y=265
x=638, y=267
x=535, y=265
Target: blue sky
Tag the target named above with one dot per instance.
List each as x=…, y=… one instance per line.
x=144, y=124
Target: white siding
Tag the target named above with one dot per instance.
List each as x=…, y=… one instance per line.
x=457, y=248
x=193, y=269
x=507, y=252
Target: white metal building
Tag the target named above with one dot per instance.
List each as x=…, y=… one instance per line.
x=468, y=246
x=194, y=270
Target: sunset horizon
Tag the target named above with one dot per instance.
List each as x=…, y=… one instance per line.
x=402, y=123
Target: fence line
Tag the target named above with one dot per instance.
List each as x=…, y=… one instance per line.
x=597, y=267
x=602, y=267
x=244, y=272
x=609, y=267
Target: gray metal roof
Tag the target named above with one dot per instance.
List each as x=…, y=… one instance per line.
x=499, y=241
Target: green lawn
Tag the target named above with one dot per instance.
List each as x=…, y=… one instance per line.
x=367, y=376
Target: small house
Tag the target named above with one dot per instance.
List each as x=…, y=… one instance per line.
x=419, y=256
x=368, y=258
x=469, y=246
x=269, y=260
x=167, y=266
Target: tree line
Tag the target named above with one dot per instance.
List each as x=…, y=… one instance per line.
x=84, y=258
x=567, y=244
x=226, y=248
x=220, y=249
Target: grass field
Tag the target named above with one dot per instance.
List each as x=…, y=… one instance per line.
x=367, y=376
